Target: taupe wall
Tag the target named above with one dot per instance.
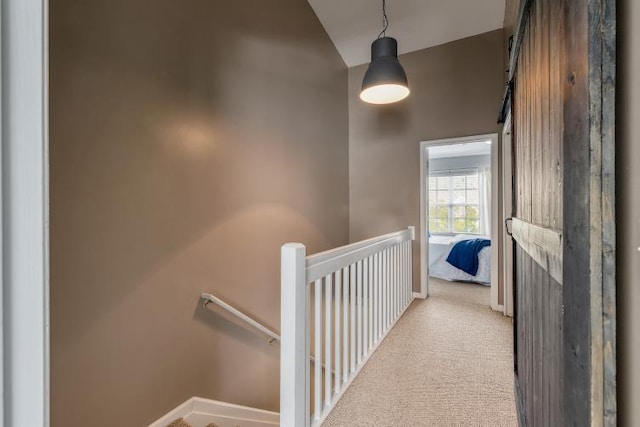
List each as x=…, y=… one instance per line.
x=189, y=140
x=628, y=211
x=456, y=91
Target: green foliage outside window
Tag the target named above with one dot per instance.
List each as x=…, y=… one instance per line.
x=439, y=219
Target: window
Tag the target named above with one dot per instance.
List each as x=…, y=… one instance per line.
x=454, y=202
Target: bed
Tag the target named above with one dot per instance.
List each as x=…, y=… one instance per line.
x=440, y=268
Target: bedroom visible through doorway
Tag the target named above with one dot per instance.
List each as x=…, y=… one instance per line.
x=459, y=192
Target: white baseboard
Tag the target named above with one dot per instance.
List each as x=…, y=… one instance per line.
x=199, y=412
x=498, y=307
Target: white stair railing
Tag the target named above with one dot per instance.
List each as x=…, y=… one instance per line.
x=342, y=302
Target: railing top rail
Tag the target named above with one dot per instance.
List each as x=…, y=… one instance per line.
x=327, y=262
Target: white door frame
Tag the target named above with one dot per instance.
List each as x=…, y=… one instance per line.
x=25, y=213
x=507, y=207
x=495, y=226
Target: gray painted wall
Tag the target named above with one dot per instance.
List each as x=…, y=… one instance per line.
x=456, y=91
x=189, y=141
x=628, y=212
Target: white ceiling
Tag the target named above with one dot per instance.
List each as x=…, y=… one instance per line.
x=480, y=148
x=416, y=24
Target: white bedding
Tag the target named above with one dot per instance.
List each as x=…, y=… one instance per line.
x=443, y=270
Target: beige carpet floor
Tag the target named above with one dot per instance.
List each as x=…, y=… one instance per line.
x=447, y=362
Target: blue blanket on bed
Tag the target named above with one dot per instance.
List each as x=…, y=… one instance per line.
x=464, y=254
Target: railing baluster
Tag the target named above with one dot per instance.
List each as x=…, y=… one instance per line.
x=380, y=292
x=398, y=282
x=389, y=293
x=394, y=282
x=392, y=271
x=370, y=302
x=345, y=324
x=404, y=276
x=352, y=302
x=365, y=307
x=410, y=269
x=385, y=303
x=328, y=305
x=383, y=291
x=376, y=297
x=400, y=279
x=383, y=299
x=337, y=329
x=359, y=314
x=318, y=350
x=408, y=273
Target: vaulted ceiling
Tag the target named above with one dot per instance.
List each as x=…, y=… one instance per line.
x=417, y=24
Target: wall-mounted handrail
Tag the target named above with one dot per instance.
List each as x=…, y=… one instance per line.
x=208, y=298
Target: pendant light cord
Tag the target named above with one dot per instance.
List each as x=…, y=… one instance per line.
x=385, y=20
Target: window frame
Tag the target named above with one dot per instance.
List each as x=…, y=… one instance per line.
x=451, y=173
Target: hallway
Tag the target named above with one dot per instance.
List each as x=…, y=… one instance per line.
x=447, y=362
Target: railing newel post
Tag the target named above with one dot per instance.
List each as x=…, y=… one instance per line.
x=294, y=359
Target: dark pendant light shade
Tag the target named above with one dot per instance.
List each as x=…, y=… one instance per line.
x=385, y=81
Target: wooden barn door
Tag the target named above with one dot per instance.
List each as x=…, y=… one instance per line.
x=562, y=99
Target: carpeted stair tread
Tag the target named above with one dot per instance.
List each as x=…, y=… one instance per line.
x=180, y=422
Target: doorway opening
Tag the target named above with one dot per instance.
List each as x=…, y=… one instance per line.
x=460, y=216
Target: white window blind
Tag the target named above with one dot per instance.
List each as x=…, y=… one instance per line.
x=454, y=201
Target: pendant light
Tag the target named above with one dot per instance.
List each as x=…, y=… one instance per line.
x=385, y=81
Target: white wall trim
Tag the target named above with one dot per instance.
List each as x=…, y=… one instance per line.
x=25, y=213
x=2, y=324
x=199, y=412
x=496, y=225
x=507, y=212
x=424, y=246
